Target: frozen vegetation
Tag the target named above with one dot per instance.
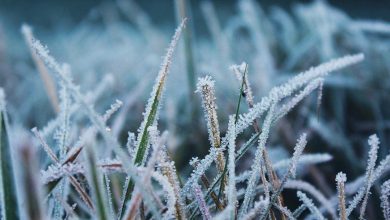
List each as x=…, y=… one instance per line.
x=295, y=121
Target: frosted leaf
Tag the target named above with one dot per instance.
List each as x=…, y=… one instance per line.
x=285, y=108
x=200, y=169
x=47, y=79
x=298, y=149
x=90, y=97
x=310, y=205
x=285, y=211
x=205, y=87
x=168, y=169
x=113, y=108
x=45, y=146
x=130, y=144
x=169, y=194
x=307, y=187
x=304, y=159
x=292, y=85
x=232, y=191
x=256, y=166
x=239, y=71
x=152, y=108
x=258, y=209
x=55, y=172
x=201, y=202
x=63, y=131
x=385, y=193
x=373, y=141
x=74, y=90
x=341, y=177
x=194, y=161
x=381, y=168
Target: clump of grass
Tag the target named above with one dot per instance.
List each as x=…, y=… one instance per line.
x=228, y=182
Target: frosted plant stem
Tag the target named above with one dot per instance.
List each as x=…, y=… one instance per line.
x=341, y=178
x=151, y=113
x=255, y=169
x=93, y=116
x=232, y=191
x=385, y=193
x=48, y=81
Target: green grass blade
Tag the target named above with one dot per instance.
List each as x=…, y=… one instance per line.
x=151, y=114
x=9, y=204
x=96, y=184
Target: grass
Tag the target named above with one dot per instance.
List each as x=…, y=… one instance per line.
x=250, y=168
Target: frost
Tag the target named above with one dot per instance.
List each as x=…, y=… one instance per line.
x=385, y=193
x=310, y=205
x=202, y=204
x=232, y=191
x=205, y=87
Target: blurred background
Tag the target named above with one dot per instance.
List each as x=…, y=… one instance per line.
x=124, y=40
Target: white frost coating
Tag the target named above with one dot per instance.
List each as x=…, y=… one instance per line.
x=352, y=187
x=373, y=141
x=90, y=97
x=158, y=87
x=310, y=205
x=56, y=171
x=170, y=194
x=96, y=120
x=62, y=132
x=201, y=202
x=239, y=71
x=285, y=108
x=341, y=178
x=109, y=195
x=200, y=169
x=169, y=170
x=130, y=144
x=304, y=159
x=298, y=149
x=307, y=187
x=80, y=99
x=258, y=209
x=232, y=191
x=385, y=193
x=292, y=85
x=256, y=166
x=371, y=175
x=205, y=87
x=45, y=146
x=113, y=108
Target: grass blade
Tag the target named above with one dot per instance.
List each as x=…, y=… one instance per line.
x=31, y=188
x=151, y=114
x=95, y=182
x=9, y=204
